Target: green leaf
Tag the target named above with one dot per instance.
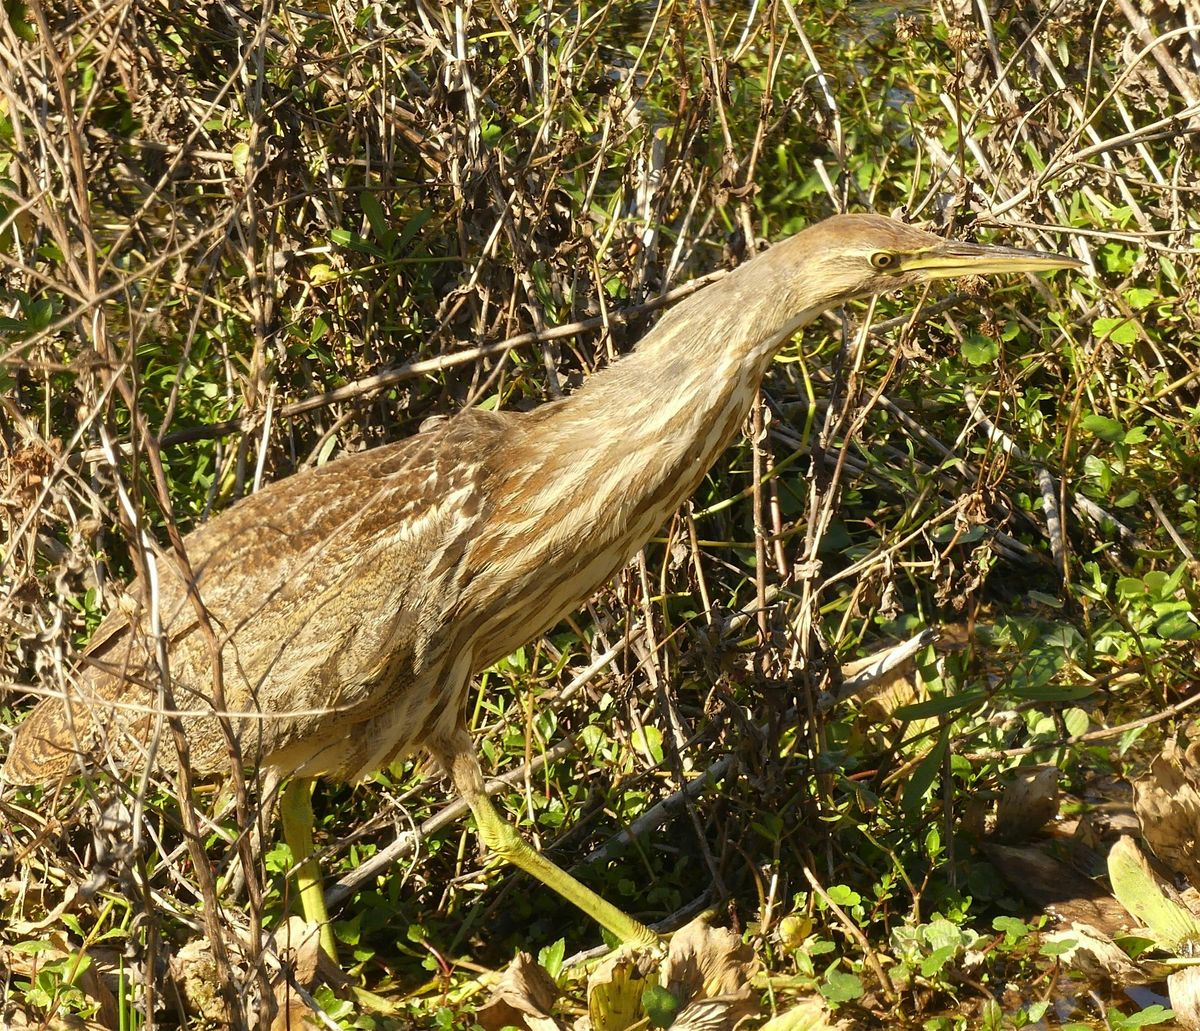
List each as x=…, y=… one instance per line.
x=40, y=314
x=933, y=843
x=349, y=931
x=921, y=781
x=1178, y=626
x=321, y=273
x=649, y=742
x=1042, y=692
x=1104, y=427
x=411, y=228
x=22, y=26
x=241, y=157
x=1045, y=599
x=1129, y=587
x=551, y=957
x=1136, y=435
x=1011, y=927
x=1076, y=720
x=839, y=987
x=980, y=350
x=1164, y=584
x=1119, y=331
x=1138, y=890
x=32, y=946
x=660, y=1006
x=844, y=896
x=940, y=706
x=592, y=739
x=948, y=532
x=1139, y=297
x=490, y=132
x=354, y=242
x=1154, y=1014
x=933, y=963
x=380, y=230
x=991, y=1015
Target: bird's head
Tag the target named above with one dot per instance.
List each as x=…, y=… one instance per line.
x=860, y=255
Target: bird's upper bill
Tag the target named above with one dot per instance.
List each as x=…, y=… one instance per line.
x=952, y=258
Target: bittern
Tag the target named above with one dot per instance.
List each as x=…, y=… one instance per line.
x=354, y=602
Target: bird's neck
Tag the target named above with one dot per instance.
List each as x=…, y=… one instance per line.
x=586, y=481
x=627, y=448
x=687, y=387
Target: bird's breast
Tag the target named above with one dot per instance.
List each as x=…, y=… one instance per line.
x=566, y=529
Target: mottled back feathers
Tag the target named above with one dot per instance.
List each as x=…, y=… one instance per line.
x=323, y=590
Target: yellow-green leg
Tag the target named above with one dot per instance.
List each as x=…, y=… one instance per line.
x=296, y=815
x=502, y=838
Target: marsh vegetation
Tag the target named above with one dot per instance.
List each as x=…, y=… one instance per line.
x=237, y=241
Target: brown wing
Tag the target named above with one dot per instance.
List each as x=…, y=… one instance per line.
x=325, y=590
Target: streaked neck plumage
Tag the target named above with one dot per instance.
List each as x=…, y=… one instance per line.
x=622, y=453
x=692, y=379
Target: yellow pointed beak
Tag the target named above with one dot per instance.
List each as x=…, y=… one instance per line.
x=975, y=259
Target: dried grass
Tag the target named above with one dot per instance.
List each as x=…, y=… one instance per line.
x=236, y=240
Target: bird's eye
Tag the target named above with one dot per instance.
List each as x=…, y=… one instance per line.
x=883, y=260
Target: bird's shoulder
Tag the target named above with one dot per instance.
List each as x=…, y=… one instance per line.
x=390, y=489
x=307, y=531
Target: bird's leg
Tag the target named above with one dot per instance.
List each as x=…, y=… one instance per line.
x=296, y=815
x=460, y=761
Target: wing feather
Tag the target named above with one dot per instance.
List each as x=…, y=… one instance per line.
x=325, y=590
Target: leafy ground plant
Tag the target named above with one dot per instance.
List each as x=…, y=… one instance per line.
x=955, y=547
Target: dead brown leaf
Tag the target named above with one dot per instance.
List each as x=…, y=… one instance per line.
x=1028, y=804
x=720, y=1014
x=195, y=972
x=30, y=928
x=298, y=946
x=714, y=964
x=298, y=943
x=1054, y=887
x=295, y=1014
x=616, y=986
x=1184, y=989
x=1095, y=954
x=1103, y=822
x=1167, y=802
x=897, y=688
x=523, y=998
